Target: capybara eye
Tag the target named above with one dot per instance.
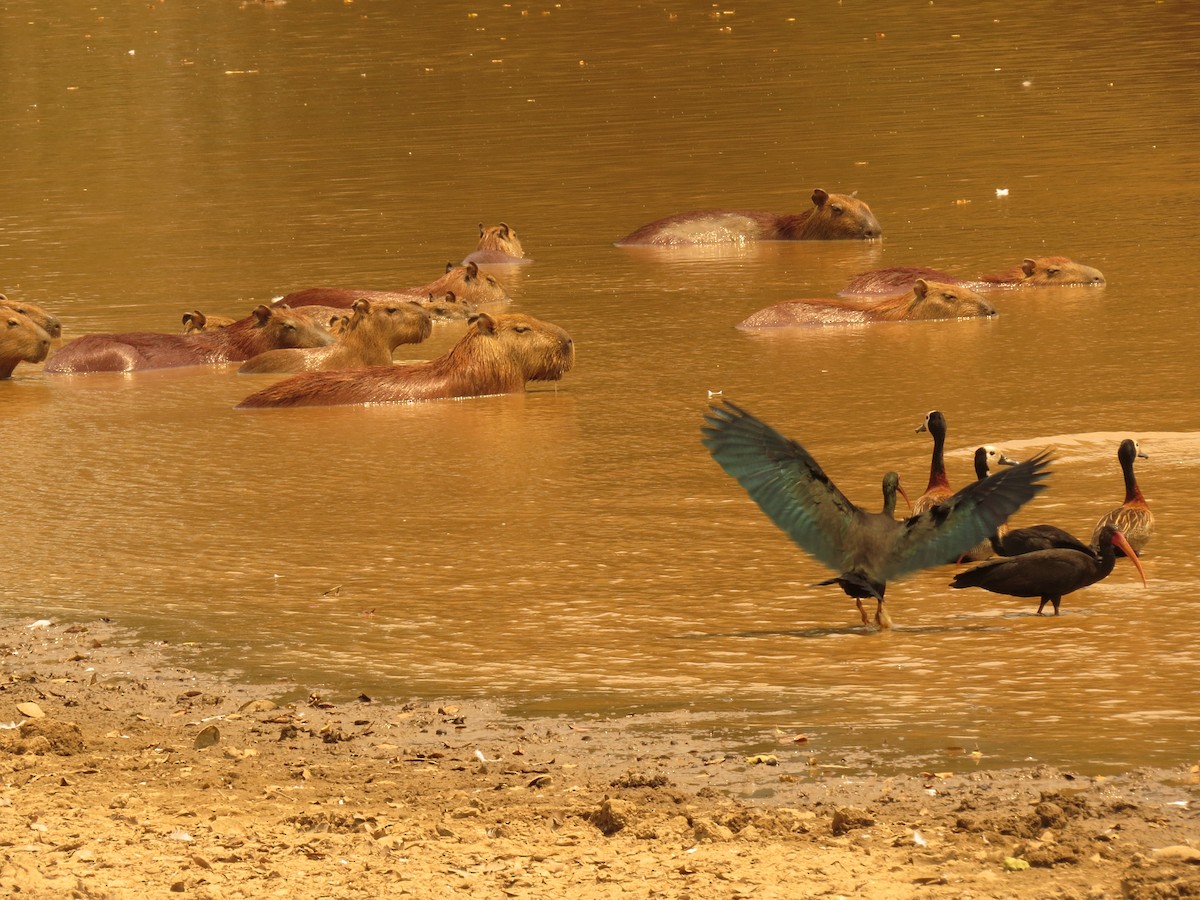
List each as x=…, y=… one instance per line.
x=520, y=329
x=838, y=210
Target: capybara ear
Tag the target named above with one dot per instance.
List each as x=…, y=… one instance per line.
x=449, y=267
x=195, y=317
x=361, y=306
x=820, y=197
x=450, y=297
x=1028, y=266
x=472, y=271
x=483, y=323
x=481, y=229
x=920, y=288
x=262, y=312
x=504, y=229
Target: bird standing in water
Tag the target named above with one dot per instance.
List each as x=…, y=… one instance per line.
x=1050, y=574
x=1132, y=518
x=866, y=549
x=938, y=488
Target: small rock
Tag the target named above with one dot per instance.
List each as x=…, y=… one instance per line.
x=1012, y=864
x=613, y=815
x=706, y=830
x=1179, y=852
x=847, y=818
x=208, y=736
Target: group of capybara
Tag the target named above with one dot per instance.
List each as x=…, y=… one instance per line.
x=337, y=344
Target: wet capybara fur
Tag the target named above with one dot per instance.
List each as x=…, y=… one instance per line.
x=498, y=246
x=372, y=332
x=21, y=340
x=267, y=328
x=467, y=283
x=833, y=217
x=497, y=355
x=41, y=317
x=197, y=321
x=1045, y=271
x=925, y=300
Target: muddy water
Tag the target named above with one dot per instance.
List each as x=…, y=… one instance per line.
x=574, y=550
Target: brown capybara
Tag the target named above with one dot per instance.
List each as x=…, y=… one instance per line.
x=265, y=329
x=447, y=308
x=1045, y=271
x=498, y=246
x=41, y=317
x=373, y=331
x=467, y=284
x=197, y=321
x=497, y=355
x=833, y=217
x=21, y=340
x=926, y=300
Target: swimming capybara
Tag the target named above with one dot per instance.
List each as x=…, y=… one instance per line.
x=498, y=246
x=197, y=321
x=265, y=329
x=925, y=300
x=41, y=317
x=373, y=331
x=1045, y=271
x=467, y=284
x=497, y=355
x=833, y=217
x=447, y=308
x=21, y=340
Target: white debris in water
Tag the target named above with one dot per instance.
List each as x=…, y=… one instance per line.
x=1001, y=192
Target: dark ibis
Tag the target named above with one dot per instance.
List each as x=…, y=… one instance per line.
x=938, y=489
x=1133, y=517
x=866, y=549
x=1015, y=541
x=1050, y=574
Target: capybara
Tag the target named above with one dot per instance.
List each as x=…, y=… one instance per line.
x=833, y=217
x=1045, y=271
x=265, y=329
x=21, y=340
x=197, y=321
x=925, y=300
x=447, y=308
x=497, y=355
x=41, y=317
x=374, y=330
x=498, y=246
x=467, y=284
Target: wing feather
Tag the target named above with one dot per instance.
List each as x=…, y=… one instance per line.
x=945, y=532
x=784, y=480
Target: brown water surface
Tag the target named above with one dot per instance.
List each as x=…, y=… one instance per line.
x=574, y=549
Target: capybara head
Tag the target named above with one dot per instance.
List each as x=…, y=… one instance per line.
x=840, y=216
x=533, y=349
x=21, y=340
x=290, y=329
x=1052, y=270
x=397, y=322
x=43, y=319
x=447, y=307
x=195, y=321
x=937, y=300
x=471, y=285
x=499, y=237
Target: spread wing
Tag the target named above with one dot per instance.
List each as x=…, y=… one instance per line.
x=945, y=532
x=784, y=480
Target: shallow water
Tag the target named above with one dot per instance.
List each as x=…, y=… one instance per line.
x=574, y=550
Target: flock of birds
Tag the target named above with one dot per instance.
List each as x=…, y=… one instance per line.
x=869, y=549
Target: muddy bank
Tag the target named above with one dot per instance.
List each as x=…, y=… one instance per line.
x=125, y=770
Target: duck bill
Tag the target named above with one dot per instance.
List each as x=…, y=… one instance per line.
x=1119, y=541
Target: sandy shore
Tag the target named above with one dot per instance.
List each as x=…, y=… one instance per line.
x=127, y=773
